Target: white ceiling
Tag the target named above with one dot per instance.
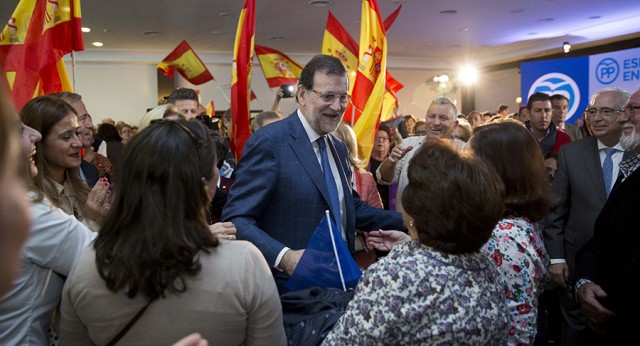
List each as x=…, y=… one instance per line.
x=483, y=32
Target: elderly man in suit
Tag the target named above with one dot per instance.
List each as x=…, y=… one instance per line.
x=583, y=180
x=609, y=264
x=293, y=170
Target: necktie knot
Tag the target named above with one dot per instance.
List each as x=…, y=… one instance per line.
x=321, y=143
x=610, y=151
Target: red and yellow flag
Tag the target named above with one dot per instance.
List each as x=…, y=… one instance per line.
x=210, y=108
x=277, y=67
x=369, y=87
x=241, y=78
x=338, y=43
x=34, y=40
x=184, y=59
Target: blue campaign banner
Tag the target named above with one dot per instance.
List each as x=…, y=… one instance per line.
x=620, y=69
x=569, y=77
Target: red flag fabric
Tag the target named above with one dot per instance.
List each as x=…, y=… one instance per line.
x=185, y=60
x=37, y=35
x=241, y=78
x=277, y=67
x=391, y=18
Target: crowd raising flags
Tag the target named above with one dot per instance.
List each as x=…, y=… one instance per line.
x=37, y=35
x=185, y=60
x=241, y=78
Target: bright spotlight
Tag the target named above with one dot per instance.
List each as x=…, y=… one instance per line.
x=468, y=75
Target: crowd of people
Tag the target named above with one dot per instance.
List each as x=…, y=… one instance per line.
x=488, y=228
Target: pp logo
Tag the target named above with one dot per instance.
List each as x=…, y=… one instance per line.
x=607, y=71
x=558, y=83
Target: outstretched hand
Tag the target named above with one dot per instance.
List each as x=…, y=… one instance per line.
x=385, y=240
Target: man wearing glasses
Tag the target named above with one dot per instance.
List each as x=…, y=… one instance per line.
x=293, y=170
x=608, y=266
x=441, y=120
x=584, y=182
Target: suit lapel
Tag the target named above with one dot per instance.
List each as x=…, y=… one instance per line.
x=591, y=159
x=303, y=149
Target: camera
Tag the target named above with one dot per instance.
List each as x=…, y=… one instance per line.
x=207, y=121
x=287, y=90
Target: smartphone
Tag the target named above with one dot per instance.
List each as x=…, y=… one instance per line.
x=287, y=90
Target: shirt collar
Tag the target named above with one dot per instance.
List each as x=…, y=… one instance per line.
x=602, y=146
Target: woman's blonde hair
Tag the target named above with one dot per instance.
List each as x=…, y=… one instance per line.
x=159, y=112
x=345, y=133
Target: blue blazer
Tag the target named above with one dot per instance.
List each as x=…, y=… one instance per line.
x=279, y=194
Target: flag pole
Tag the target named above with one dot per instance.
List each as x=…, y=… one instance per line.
x=222, y=92
x=335, y=251
x=73, y=69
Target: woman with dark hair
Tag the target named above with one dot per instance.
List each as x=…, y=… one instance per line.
x=155, y=272
x=57, y=157
x=379, y=153
x=516, y=245
x=434, y=286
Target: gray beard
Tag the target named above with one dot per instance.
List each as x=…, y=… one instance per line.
x=631, y=142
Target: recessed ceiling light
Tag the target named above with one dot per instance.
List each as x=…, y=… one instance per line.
x=320, y=3
x=215, y=32
x=532, y=33
x=276, y=38
x=546, y=20
x=516, y=10
x=464, y=28
x=224, y=14
x=98, y=44
x=448, y=12
x=85, y=29
x=594, y=17
x=151, y=33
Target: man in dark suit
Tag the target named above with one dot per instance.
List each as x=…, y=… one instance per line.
x=560, y=107
x=280, y=193
x=608, y=266
x=581, y=183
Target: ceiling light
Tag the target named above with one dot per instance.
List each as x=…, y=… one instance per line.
x=98, y=44
x=566, y=47
x=546, y=20
x=85, y=29
x=594, y=17
x=320, y=3
x=468, y=75
x=224, y=14
x=151, y=33
x=215, y=32
x=276, y=38
x=442, y=78
x=448, y=12
x=516, y=10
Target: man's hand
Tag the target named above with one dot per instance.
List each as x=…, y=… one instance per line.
x=223, y=230
x=385, y=240
x=98, y=202
x=290, y=260
x=387, y=166
x=559, y=273
x=595, y=313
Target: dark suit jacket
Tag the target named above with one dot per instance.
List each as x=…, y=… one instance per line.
x=279, y=194
x=572, y=131
x=611, y=258
x=579, y=180
x=90, y=172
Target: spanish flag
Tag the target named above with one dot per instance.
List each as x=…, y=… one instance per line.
x=36, y=37
x=338, y=43
x=369, y=87
x=241, y=78
x=210, y=108
x=184, y=59
x=277, y=67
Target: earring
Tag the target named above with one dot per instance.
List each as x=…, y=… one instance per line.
x=411, y=223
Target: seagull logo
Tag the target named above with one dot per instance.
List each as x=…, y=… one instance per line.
x=558, y=83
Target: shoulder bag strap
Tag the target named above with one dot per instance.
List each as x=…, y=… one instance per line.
x=130, y=324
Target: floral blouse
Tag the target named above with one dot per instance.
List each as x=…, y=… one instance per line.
x=517, y=249
x=419, y=296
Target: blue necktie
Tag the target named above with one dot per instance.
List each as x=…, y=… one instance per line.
x=328, y=177
x=607, y=169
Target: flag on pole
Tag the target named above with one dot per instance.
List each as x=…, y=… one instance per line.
x=34, y=40
x=277, y=67
x=390, y=100
x=326, y=261
x=369, y=87
x=338, y=43
x=241, y=78
x=210, y=108
x=185, y=60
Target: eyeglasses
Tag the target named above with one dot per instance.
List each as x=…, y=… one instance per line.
x=631, y=110
x=331, y=98
x=604, y=111
x=381, y=139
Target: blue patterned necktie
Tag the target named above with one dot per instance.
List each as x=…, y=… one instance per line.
x=328, y=177
x=607, y=169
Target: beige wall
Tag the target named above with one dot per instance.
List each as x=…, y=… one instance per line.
x=124, y=87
